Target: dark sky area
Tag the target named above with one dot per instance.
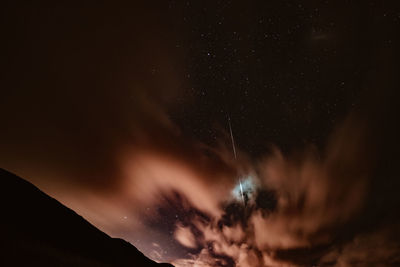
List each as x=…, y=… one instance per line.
x=277, y=68
x=122, y=114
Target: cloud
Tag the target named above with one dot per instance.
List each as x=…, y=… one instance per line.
x=90, y=125
x=304, y=208
x=319, y=200
x=379, y=248
x=184, y=236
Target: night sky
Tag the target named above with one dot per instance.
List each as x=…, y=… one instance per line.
x=286, y=72
x=121, y=113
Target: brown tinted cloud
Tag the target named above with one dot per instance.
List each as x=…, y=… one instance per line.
x=85, y=117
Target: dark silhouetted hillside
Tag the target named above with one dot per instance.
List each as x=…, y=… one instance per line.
x=37, y=230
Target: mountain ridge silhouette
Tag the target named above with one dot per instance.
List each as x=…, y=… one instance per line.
x=40, y=231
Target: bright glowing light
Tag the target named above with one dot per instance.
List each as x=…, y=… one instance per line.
x=244, y=187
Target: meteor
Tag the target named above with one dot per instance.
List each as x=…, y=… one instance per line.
x=234, y=155
x=233, y=141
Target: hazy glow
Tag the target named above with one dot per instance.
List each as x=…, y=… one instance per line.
x=245, y=186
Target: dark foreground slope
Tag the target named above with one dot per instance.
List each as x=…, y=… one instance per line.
x=37, y=230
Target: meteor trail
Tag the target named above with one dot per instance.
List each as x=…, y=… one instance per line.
x=234, y=154
x=233, y=141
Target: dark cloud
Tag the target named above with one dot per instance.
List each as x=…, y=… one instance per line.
x=120, y=113
x=82, y=82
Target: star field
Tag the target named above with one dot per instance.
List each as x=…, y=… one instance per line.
x=286, y=72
